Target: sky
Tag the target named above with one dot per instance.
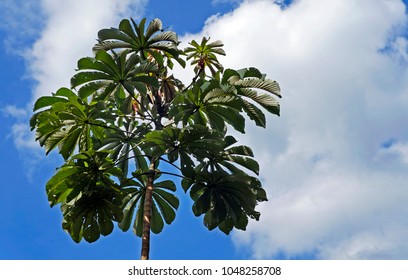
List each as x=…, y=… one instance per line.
x=334, y=164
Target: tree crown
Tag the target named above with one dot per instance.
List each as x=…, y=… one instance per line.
x=127, y=120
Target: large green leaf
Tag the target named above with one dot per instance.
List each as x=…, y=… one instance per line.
x=46, y=101
x=237, y=155
x=124, y=145
x=84, y=172
x=204, y=55
x=119, y=80
x=58, y=124
x=91, y=215
x=265, y=100
x=251, y=87
x=136, y=38
x=208, y=105
x=195, y=141
x=106, y=70
x=88, y=195
x=69, y=123
x=254, y=113
x=88, y=76
x=224, y=198
x=164, y=206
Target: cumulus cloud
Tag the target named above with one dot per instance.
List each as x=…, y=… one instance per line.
x=397, y=151
x=13, y=111
x=334, y=191
x=70, y=32
x=399, y=48
x=52, y=35
x=335, y=162
x=21, y=23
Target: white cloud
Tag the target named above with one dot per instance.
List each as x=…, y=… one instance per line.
x=31, y=155
x=13, y=111
x=23, y=139
x=399, y=49
x=61, y=32
x=70, y=32
x=396, y=151
x=332, y=191
x=20, y=23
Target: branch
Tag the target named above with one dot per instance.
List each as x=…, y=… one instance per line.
x=141, y=105
x=172, y=174
x=194, y=79
x=134, y=117
x=172, y=164
x=106, y=127
x=127, y=180
x=118, y=129
x=120, y=160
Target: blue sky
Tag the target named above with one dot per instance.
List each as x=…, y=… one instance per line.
x=335, y=164
x=32, y=230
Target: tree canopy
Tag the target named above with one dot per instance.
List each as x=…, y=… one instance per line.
x=127, y=120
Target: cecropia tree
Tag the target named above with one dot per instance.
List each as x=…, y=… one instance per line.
x=127, y=120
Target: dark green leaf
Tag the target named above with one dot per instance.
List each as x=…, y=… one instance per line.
x=166, y=210
x=130, y=201
x=254, y=114
x=45, y=101
x=168, y=197
x=157, y=223
x=85, y=77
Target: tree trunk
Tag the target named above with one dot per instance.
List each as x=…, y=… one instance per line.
x=147, y=212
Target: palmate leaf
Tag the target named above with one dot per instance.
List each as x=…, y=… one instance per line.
x=46, y=101
x=164, y=205
x=102, y=62
x=60, y=185
x=169, y=86
x=67, y=122
x=88, y=76
x=154, y=26
x=254, y=113
x=84, y=172
x=250, y=86
x=124, y=145
x=230, y=158
x=89, y=198
x=130, y=200
x=195, y=141
x=208, y=105
x=135, y=38
x=240, y=155
x=102, y=70
x=225, y=198
x=119, y=78
x=204, y=55
x=91, y=215
x=265, y=100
